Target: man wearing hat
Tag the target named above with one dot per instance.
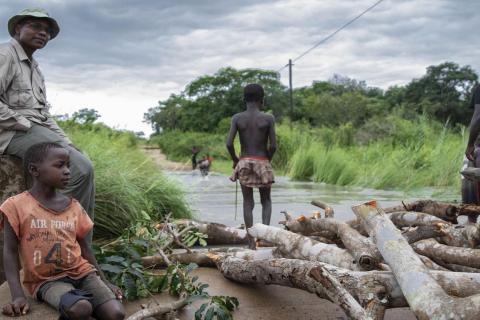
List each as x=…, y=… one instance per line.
x=25, y=119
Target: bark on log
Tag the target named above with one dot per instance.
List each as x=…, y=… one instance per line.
x=302, y=225
x=361, y=248
x=425, y=296
x=217, y=233
x=432, y=265
x=462, y=256
x=442, y=210
x=459, y=268
x=422, y=232
x=158, y=310
x=404, y=219
x=338, y=294
x=296, y=246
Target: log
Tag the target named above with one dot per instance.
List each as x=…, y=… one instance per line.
x=208, y=257
x=458, y=268
x=404, y=219
x=432, y=265
x=338, y=294
x=296, y=274
x=329, y=213
x=443, y=210
x=217, y=233
x=361, y=248
x=158, y=310
x=426, y=297
x=422, y=232
x=300, y=247
x=462, y=256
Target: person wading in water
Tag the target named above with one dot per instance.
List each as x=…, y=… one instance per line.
x=258, y=144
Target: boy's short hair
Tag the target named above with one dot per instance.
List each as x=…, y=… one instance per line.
x=37, y=153
x=253, y=93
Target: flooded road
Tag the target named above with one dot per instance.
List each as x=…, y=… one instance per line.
x=213, y=199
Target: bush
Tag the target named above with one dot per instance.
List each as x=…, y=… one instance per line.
x=129, y=186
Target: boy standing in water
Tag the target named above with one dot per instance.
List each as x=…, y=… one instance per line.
x=258, y=144
x=49, y=231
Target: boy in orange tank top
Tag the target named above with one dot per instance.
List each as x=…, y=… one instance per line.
x=48, y=229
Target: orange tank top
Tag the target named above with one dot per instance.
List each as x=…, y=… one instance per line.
x=47, y=239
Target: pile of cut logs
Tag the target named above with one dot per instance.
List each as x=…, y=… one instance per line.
x=414, y=255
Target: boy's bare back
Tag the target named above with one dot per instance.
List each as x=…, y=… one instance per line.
x=255, y=129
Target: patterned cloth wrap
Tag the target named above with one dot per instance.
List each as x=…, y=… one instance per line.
x=254, y=172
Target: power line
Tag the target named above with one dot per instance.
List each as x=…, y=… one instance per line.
x=333, y=33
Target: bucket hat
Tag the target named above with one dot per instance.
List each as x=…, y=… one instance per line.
x=36, y=13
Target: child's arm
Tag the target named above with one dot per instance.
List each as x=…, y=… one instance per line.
x=90, y=257
x=272, y=137
x=230, y=139
x=19, y=305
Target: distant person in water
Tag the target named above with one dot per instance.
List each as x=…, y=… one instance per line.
x=258, y=144
x=205, y=164
x=195, y=152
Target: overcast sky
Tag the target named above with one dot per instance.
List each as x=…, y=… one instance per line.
x=122, y=57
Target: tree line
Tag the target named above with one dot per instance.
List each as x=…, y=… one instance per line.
x=206, y=104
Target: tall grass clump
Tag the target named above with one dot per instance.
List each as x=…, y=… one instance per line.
x=411, y=154
x=129, y=187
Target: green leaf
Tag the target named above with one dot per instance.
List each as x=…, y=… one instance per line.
x=202, y=242
x=198, y=313
x=111, y=268
x=145, y=215
x=114, y=259
x=209, y=314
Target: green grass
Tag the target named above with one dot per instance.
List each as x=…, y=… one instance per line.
x=129, y=186
x=431, y=160
x=387, y=153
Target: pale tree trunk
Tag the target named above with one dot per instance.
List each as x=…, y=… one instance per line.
x=301, y=247
x=361, y=248
x=426, y=297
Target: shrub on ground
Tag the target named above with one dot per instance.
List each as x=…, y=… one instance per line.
x=129, y=187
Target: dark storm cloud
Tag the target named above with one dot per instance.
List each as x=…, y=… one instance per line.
x=166, y=44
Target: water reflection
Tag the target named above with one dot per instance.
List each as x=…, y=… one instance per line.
x=213, y=199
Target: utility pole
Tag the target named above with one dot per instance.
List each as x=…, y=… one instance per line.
x=291, y=88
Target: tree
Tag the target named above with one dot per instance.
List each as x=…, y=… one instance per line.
x=85, y=115
x=443, y=92
x=207, y=100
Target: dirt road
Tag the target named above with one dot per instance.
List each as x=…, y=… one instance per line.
x=161, y=160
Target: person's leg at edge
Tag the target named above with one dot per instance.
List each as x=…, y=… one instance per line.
x=476, y=164
x=266, y=204
x=248, y=205
x=105, y=306
x=52, y=294
x=110, y=310
x=82, y=183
